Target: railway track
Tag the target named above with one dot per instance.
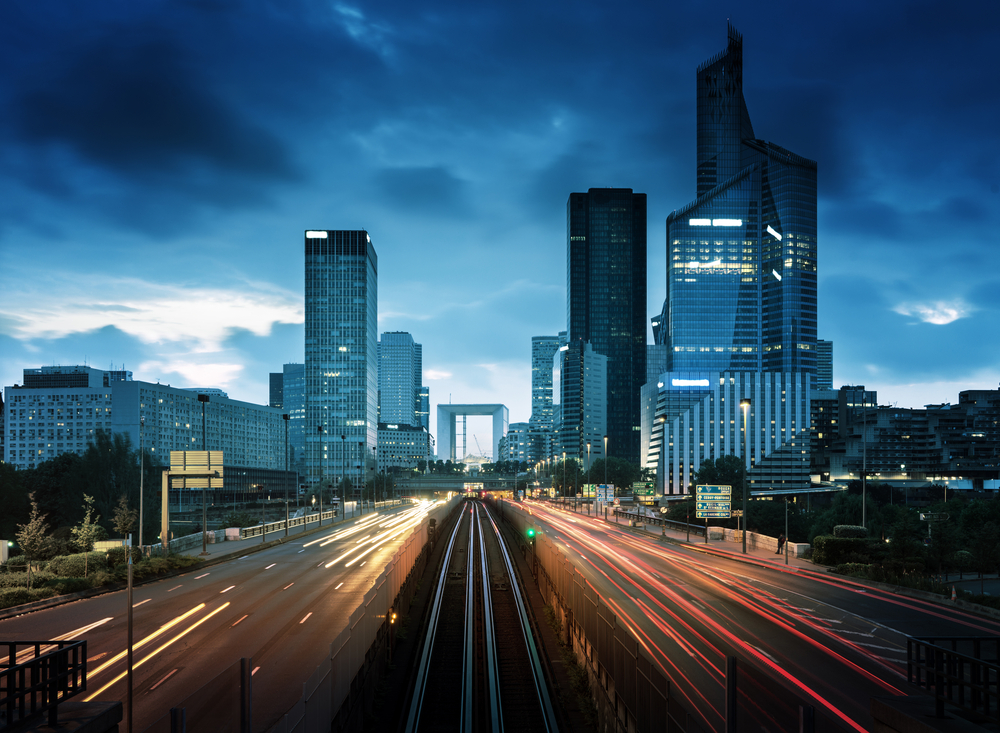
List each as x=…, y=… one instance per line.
x=479, y=667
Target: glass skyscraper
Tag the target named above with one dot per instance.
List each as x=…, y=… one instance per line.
x=341, y=369
x=741, y=258
x=606, y=299
x=400, y=374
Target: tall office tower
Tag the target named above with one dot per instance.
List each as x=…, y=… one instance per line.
x=824, y=364
x=543, y=348
x=294, y=405
x=580, y=397
x=424, y=409
x=741, y=264
x=606, y=299
x=399, y=377
x=341, y=370
x=275, y=389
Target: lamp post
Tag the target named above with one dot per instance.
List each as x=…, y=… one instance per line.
x=590, y=479
x=322, y=454
x=203, y=399
x=375, y=475
x=564, y=477
x=343, y=478
x=142, y=424
x=864, y=453
x=285, y=419
x=606, y=463
x=745, y=405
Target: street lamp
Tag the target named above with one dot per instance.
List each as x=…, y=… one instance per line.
x=285, y=419
x=590, y=478
x=142, y=424
x=322, y=455
x=203, y=399
x=343, y=477
x=606, y=463
x=745, y=405
x=564, y=477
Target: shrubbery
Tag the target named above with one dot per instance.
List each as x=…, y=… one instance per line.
x=850, y=530
x=118, y=555
x=14, y=564
x=831, y=550
x=73, y=566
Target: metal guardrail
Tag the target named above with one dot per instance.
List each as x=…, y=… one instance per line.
x=255, y=531
x=33, y=682
x=958, y=670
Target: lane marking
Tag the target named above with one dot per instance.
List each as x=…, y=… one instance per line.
x=300, y=552
x=164, y=679
x=99, y=656
x=320, y=565
x=136, y=605
x=338, y=586
x=227, y=589
x=305, y=617
x=886, y=648
x=857, y=633
x=254, y=671
x=362, y=564
x=243, y=558
x=239, y=620
x=199, y=577
x=268, y=568
x=174, y=588
x=288, y=586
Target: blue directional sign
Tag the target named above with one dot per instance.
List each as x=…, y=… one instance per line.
x=713, y=502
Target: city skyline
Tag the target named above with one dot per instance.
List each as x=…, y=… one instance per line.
x=158, y=226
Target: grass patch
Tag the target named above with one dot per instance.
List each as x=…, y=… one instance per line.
x=578, y=677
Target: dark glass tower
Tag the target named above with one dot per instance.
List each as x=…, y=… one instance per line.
x=741, y=258
x=606, y=299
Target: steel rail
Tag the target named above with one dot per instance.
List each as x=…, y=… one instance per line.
x=489, y=633
x=541, y=688
x=420, y=685
x=469, y=656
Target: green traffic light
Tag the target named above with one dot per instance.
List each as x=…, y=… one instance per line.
x=531, y=531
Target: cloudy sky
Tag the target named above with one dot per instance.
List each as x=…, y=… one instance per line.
x=159, y=162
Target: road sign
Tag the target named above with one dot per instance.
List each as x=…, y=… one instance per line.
x=645, y=488
x=705, y=491
x=737, y=513
x=934, y=516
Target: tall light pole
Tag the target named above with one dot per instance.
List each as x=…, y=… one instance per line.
x=343, y=478
x=591, y=480
x=285, y=419
x=375, y=474
x=864, y=453
x=564, y=476
x=203, y=399
x=745, y=405
x=606, y=463
x=142, y=424
x=322, y=454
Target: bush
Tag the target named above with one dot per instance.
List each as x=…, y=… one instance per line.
x=102, y=577
x=14, y=580
x=830, y=550
x=15, y=563
x=240, y=519
x=117, y=556
x=854, y=569
x=850, y=530
x=63, y=586
x=73, y=566
x=17, y=596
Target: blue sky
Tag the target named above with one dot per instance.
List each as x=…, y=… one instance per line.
x=160, y=161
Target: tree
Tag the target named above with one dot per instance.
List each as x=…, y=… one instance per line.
x=567, y=477
x=985, y=550
x=13, y=499
x=722, y=471
x=125, y=518
x=32, y=537
x=87, y=532
x=620, y=472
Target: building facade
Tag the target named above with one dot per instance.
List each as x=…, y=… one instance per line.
x=400, y=373
x=402, y=446
x=824, y=364
x=580, y=396
x=294, y=405
x=341, y=361
x=606, y=299
x=691, y=417
x=63, y=416
x=741, y=258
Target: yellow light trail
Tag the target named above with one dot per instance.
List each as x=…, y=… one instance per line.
x=157, y=651
x=166, y=627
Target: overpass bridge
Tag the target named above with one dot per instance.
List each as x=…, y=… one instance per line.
x=435, y=483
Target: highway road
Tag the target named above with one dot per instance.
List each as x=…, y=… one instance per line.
x=830, y=642
x=281, y=606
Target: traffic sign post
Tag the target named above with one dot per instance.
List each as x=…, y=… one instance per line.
x=713, y=502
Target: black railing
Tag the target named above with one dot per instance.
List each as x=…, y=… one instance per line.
x=961, y=670
x=35, y=676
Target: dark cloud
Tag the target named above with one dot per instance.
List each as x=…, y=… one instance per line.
x=430, y=190
x=138, y=109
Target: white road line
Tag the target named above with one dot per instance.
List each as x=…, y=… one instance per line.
x=362, y=564
x=243, y=558
x=135, y=605
x=174, y=588
x=338, y=586
x=199, y=577
x=305, y=617
x=268, y=568
x=239, y=621
x=288, y=586
x=227, y=589
x=254, y=671
x=320, y=565
x=857, y=633
x=886, y=648
x=300, y=552
x=164, y=679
